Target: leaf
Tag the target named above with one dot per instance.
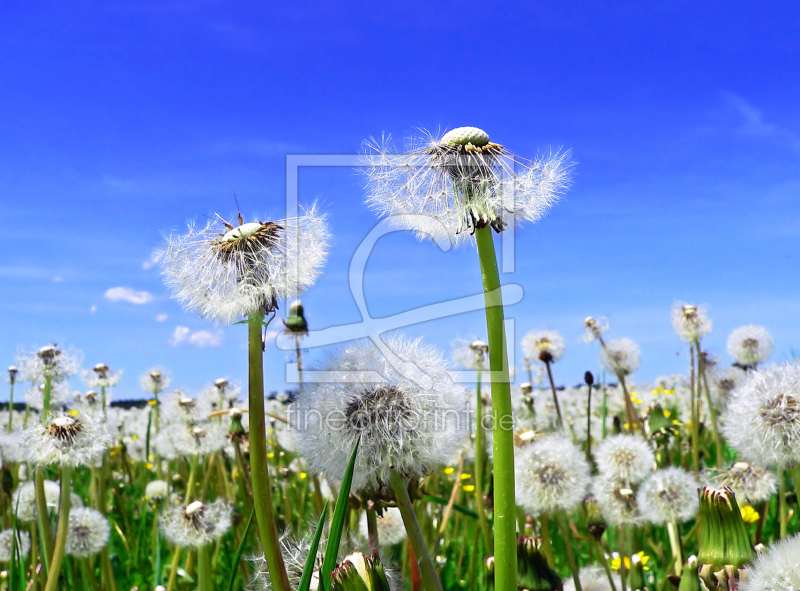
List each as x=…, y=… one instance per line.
x=308, y=568
x=240, y=550
x=337, y=524
x=456, y=506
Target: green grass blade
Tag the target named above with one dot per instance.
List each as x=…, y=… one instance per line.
x=308, y=568
x=240, y=551
x=456, y=506
x=337, y=525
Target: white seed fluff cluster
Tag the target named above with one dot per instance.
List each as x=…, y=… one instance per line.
x=48, y=362
x=551, y=474
x=156, y=490
x=68, y=440
x=23, y=541
x=617, y=502
x=593, y=578
x=196, y=524
x=620, y=356
x=690, y=322
x=443, y=188
x=775, y=569
x=391, y=529
x=627, y=459
x=669, y=494
x=472, y=354
x=100, y=377
x=748, y=482
x=535, y=343
x=750, y=345
x=594, y=328
x=225, y=273
x=400, y=401
x=24, y=499
x=762, y=421
x=154, y=380
x=88, y=532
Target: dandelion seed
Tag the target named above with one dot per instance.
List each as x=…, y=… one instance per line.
x=594, y=328
x=471, y=354
x=748, y=482
x=101, y=376
x=669, y=494
x=620, y=357
x=750, y=345
x=593, y=578
x=67, y=440
x=776, y=568
x=551, y=474
x=446, y=187
x=48, y=362
x=88, y=532
x=690, y=322
x=391, y=529
x=411, y=424
x=617, y=503
x=154, y=380
x=225, y=273
x=197, y=523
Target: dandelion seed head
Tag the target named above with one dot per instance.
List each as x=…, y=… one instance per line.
x=776, y=568
x=24, y=499
x=669, y=494
x=48, y=362
x=88, y=532
x=154, y=380
x=748, y=482
x=401, y=402
x=67, y=440
x=762, y=421
x=594, y=328
x=620, y=357
x=197, y=523
x=100, y=376
x=447, y=187
x=627, y=459
x=391, y=529
x=593, y=578
x=551, y=474
x=225, y=273
x=156, y=490
x=7, y=540
x=472, y=354
x=543, y=345
x=617, y=502
x=690, y=322
x=750, y=345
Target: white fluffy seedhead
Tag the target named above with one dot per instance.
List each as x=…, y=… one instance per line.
x=690, y=322
x=100, y=376
x=88, y=532
x=7, y=540
x=762, y=421
x=196, y=524
x=551, y=474
x=24, y=500
x=775, y=569
x=617, y=502
x=154, y=380
x=750, y=345
x=49, y=361
x=620, y=357
x=400, y=401
x=748, y=482
x=75, y=439
x=669, y=494
x=541, y=345
x=225, y=273
x=627, y=459
x=444, y=188
x=593, y=578
x=391, y=529
x=471, y=354
x=156, y=490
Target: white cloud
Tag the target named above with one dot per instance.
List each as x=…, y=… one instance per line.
x=93, y=309
x=152, y=260
x=126, y=294
x=179, y=335
x=161, y=318
x=200, y=338
x=58, y=279
x=203, y=338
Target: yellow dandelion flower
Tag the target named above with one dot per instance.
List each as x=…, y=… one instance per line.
x=466, y=476
x=449, y=470
x=749, y=515
x=469, y=487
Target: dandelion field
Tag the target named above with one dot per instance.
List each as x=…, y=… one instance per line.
x=381, y=470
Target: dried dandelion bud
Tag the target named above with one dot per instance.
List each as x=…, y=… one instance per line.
x=296, y=322
x=359, y=572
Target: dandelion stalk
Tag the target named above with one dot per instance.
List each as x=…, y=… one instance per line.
x=566, y=534
x=505, y=530
x=480, y=463
x=63, y=528
x=43, y=517
x=205, y=581
x=783, y=508
x=695, y=432
x=12, y=378
x=712, y=413
x=259, y=469
x=560, y=421
x=675, y=544
x=415, y=536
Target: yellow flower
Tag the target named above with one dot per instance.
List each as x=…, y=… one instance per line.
x=449, y=470
x=466, y=476
x=469, y=487
x=151, y=402
x=749, y=514
x=73, y=413
x=667, y=413
x=617, y=561
x=302, y=475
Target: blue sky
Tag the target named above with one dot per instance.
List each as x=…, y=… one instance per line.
x=121, y=121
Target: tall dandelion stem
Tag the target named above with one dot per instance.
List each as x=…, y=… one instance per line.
x=566, y=534
x=675, y=542
x=695, y=433
x=415, y=536
x=43, y=517
x=259, y=470
x=712, y=412
x=505, y=529
x=63, y=528
x=204, y=578
x=11, y=407
x=48, y=388
x=553, y=390
x=480, y=464
x=783, y=509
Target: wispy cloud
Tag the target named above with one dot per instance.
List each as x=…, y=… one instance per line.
x=200, y=338
x=754, y=124
x=161, y=318
x=127, y=294
x=150, y=261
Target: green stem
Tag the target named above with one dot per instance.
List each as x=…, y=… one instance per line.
x=372, y=530
x=63, y=528
x=480, y=463
x=43, y=516
x=87, y=570
x=48, y=388
x=259, y=469
x=783, y=509
x=675, y=543
x=601, y=558
x=415, y=537
x=205, y=581
x=695, y=416
x=566, y=534
x=505, y=527
x=712, y=412
x=11, y=407
x=560, y=423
